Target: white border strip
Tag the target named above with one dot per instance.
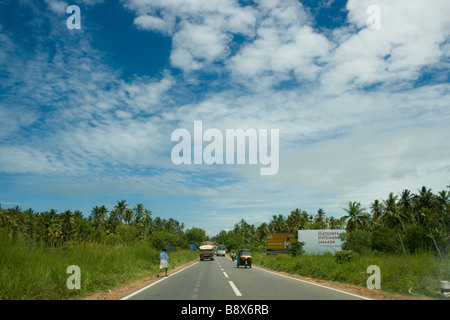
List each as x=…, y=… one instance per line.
x=235, y=289
x=153, y=283
x=316, y=284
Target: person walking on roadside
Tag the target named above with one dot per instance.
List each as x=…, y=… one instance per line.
x=163, y=261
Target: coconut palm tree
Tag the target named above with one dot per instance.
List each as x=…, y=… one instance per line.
x=355, y=217
x=138, y=212
x=123, y=212
x=392, y=217
x=320, y=220
x=278, y=224
x=98, y=214
x=49, y=226
x=376, y=209
x=405, y=206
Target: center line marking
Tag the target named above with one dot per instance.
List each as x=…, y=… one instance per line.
x=225, y=274
x=235, y=289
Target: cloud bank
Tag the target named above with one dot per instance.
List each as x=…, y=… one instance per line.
x=361, y=112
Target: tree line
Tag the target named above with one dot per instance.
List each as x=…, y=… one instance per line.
x=401, y=223
x=123, y=224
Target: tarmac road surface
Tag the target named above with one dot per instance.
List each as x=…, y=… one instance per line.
x=220, y=279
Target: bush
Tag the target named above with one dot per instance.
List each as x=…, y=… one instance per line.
x=415, y=239
x=127, y=233
x=385, y=240
x=345, y=256
x=113, y=239
x=358, y=241
x=159, y=239
x=297, y=248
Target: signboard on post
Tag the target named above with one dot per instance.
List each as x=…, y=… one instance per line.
x=321, y=241
x=279, y=241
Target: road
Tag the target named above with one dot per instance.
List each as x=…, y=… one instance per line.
x=220, y=279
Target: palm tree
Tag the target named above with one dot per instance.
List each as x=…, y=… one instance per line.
x=138, y=212
x=319, y=220
x=424, y=200
x=392, y=216
x=123, y=212
x=355, y=218
x=68, y=227
x=98, y=214
x=278, y=224
x=50, y=226
x=147, y=222
x=405, y=206
x=262, y=231
x=293, y=220
x=376, y=209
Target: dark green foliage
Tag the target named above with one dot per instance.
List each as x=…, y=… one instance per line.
x=358, y=240
x=385, y=240
x=121, y=225
x=416, y=239
x=297, y=248
x=345, y=255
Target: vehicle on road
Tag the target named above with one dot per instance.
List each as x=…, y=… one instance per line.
x=221, y=250
x=233, y=256
x=206, y=250
x=244, y=258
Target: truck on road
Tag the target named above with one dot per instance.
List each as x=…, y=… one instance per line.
x=221, y=250
x=206, y=250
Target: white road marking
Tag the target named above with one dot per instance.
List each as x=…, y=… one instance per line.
x=152, y=284
x=235, y=289
x=225, y=274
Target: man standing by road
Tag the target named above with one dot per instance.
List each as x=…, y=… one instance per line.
x=163, y=262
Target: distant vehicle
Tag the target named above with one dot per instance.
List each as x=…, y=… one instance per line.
x=221, y=250
x=244, y=258
x=206, y=250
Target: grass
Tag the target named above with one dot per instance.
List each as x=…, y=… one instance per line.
x=34, y=271
x=30, y=270
x=420, y=273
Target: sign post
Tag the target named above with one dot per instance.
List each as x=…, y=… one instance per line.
x=279, y=242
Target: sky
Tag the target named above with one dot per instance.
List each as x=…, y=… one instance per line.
x=358, y=90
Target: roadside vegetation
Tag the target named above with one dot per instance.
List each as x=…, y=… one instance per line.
x=419, y=275
x=406, y=235
x=110, y=248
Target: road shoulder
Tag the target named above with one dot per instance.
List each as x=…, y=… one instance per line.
x=124, y=290
x=121, y=291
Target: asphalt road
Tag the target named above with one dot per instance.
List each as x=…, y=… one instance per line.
x=220, y=279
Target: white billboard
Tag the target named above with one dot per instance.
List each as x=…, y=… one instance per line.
x=321, y=241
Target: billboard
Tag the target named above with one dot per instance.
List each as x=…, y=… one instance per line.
x=321, y=241
x=279, y=241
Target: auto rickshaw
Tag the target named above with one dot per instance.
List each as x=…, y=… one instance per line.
x=244, y=258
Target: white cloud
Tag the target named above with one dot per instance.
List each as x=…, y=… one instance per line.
x=339, y=142
x=58, y=7
x=148, y=22
x=410, y=38
x=203, y=32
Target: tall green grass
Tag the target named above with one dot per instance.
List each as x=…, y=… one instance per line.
x=30, y=270
x=419, y=273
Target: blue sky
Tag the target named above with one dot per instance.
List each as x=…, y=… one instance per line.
x=86, y=116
